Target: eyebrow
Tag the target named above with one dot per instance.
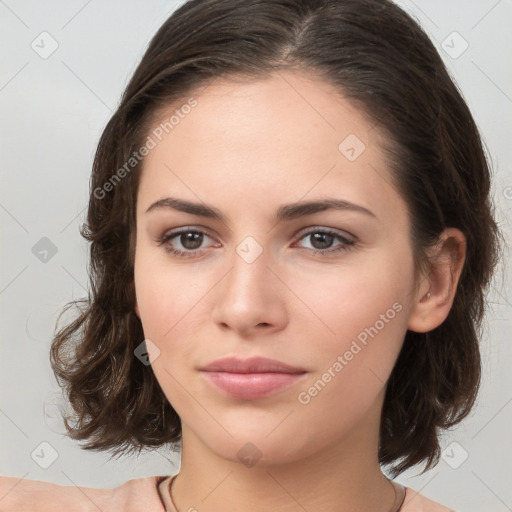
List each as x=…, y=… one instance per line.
x=284, y=212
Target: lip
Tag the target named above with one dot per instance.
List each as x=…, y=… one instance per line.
x=251, y=365
x=251, y=379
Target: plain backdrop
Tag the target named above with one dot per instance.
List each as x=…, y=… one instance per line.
x=63, y=68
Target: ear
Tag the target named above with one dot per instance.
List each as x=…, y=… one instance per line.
x=434, y=296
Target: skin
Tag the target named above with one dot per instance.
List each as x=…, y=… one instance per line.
x=246, y=149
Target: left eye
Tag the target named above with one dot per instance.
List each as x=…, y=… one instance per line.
x=191, y=241
x=322, y=239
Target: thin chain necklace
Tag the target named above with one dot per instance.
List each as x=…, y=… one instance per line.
x=396, y=507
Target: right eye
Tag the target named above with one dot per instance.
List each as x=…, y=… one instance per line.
x=189, y=239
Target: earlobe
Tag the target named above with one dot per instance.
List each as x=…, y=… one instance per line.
x=434, y=298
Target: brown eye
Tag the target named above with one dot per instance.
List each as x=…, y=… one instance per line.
x=185, y=242
x=191, y=240
x=321, y=241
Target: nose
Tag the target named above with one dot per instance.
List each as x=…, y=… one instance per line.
x=251, y=298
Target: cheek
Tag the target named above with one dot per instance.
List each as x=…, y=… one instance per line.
x=166, y=299
x=165, y=294
x=173, y=312
x=366, y=310
x=354, y=296
x=359, y=311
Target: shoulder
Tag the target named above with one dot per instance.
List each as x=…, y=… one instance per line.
x=416, y=502
x=23, y=495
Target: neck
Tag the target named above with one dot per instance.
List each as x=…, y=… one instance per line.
x=342, y=476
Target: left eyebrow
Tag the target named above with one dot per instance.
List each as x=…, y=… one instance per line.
x=284, y=212
x=296, y=210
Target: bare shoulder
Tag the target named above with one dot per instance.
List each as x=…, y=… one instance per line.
x=25, y=495
x=416, y=502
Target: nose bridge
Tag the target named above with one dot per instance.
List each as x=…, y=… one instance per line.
x=248, y=295
x=249, y=278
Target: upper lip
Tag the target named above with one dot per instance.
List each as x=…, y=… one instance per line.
x=251, y=365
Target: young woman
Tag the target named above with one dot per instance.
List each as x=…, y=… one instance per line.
x=291, y=238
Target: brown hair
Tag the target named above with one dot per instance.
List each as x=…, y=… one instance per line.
x=379, y=58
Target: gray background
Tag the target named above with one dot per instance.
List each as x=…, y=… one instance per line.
x=53, y=111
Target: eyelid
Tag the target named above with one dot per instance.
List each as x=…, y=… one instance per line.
x=171, y=233
x=334, y=231
x=300, y=234
x=347, y=242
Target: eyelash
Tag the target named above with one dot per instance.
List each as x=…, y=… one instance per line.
x=167, y=237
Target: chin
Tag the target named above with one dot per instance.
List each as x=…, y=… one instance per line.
x=253, y=446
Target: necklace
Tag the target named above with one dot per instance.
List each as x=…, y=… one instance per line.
x=396, y=507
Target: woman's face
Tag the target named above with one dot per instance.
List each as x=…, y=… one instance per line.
x=326, y=289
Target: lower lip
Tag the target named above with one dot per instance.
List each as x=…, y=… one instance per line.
x=251, y=386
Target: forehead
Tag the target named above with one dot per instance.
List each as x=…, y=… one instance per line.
x=286, y=108
x=289, y=132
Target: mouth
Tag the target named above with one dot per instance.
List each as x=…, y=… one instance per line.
x=251, y=379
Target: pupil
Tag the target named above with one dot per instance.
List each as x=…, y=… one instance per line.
x=322, y=237
x=194, y=238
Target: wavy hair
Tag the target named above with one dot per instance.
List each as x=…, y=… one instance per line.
x=380, y=59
